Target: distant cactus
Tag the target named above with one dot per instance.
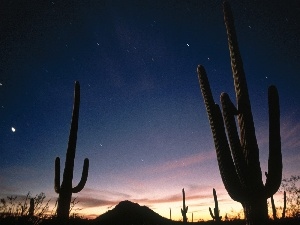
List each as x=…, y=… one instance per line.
x=216, y=217
x=284, y=205
x=272, y=204
x=31, y=207
x=65, y=190
x=184, y=208
x=239, y=164
x=273, y=208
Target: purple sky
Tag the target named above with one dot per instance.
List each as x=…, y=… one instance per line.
x=142, y=122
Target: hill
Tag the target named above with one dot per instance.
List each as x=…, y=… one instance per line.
x=129, y=213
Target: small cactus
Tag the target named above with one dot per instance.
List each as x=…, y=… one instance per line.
x=184, y=208
x=31, y=207
x=65, y=190
x=272, y=203
x=216, y=217
x=284, y=205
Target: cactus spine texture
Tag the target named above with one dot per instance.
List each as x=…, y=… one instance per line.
x=184, y=208
x=239, y=163
x=217, y=216
x=65, y=190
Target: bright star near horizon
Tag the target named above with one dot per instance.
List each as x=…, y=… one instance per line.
x=13, y=129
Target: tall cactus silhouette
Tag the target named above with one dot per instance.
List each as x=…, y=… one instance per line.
x=65, y=190
x=216, y=217
x=239, y=163
x=184, y=208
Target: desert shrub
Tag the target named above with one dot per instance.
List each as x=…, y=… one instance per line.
x=292, y=187
x=15, y=209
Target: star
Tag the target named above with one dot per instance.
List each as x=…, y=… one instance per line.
x=13, y=129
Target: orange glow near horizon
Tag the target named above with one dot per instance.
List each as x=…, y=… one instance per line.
x=199, y=208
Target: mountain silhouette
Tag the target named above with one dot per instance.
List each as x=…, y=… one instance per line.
x=129, y=213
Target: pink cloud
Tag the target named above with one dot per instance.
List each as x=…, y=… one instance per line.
x=182, y=162
x=88, y=202
x=290, y=132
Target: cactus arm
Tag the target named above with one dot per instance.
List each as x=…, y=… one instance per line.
x=226, y=165
x=211, y=213
x=240, y=83
x=84, y=177
x=245, y=115
x=245, y=118
x=57, y=175
x=275, y=158
x=229, y=111
x=206, y=93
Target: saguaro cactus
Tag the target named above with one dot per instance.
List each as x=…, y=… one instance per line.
x=65, y=190
x=284, y=205
x=184, y=208
x=239, y=163
x=217, y=216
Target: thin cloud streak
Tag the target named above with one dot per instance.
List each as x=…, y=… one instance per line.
x=96, y=192
x=183, y=162
x=88, y=202
x=289, y=131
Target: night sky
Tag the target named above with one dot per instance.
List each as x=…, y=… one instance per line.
x=142, y=123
